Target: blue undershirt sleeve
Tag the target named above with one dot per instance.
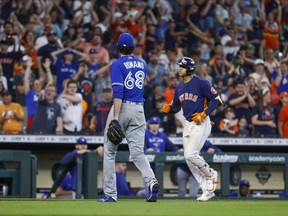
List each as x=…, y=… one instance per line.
x=212, y=106
x=118, y=91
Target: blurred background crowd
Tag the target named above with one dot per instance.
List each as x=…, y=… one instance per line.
x=55, y=57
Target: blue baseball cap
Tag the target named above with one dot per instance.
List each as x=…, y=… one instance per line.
x=126, y=40
x=246, y=4
x=81, y=140
x=154, y=120
x=68, y=51
x=244, y=183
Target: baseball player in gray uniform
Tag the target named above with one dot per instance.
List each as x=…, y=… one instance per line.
x=127, y=76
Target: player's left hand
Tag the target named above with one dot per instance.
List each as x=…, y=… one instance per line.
x=198, y=117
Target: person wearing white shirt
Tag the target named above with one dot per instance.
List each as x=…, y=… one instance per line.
x=71, y=108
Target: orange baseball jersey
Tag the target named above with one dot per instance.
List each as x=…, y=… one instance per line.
x=283, y=117
x=11, y=124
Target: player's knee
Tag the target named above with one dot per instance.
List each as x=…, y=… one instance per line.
x=135, y=155
x=192, y=157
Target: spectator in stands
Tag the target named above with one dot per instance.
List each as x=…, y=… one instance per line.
x=11, y=115
x=155, y=71
x=229, y=125
x=221, y=12
x=86, y=84
x=151, y=38
x=47, y=119
x=32, y=94
x=241, y=101
x=271, y=62
x=243, y=20
x=255, y=36
x=283, y=116
x=206, y=11
x=260, y=71
x=171, y=36
x=71, y=108
x=138, y=52
x=45, y=39
x=244, y=190
x=184, y=174
x=151, y=95
x=45, y=52
x=274, y=87
x=28, y=41
x=243, y=128
x=96, y=42
x=205, y=37
x=93, y=63
x=19, y=82
x=271, y=31
x=84, y=14
x=230, y=44
x=169, y=92
x=7, y=60
x=263, y=116
x=101, y=111
x=173, y=60
x=70, y=37
x=81, y=148
x=65, y=64
x=110, y=44
x=283, y=86
x=217, y=62
x=247, y=55
x=45, y=25
x=102, y=79
x=8, y=28
x=253, y=88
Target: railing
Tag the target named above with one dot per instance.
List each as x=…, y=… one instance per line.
x=59, y=139
x=91, y=162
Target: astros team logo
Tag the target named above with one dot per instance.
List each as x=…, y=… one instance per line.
x=183, y=61
x=213, y=91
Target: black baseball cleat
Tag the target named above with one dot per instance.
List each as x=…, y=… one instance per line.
x=153, y=191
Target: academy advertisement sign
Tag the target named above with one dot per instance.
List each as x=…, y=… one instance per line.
x=225, y=158
x=175, y=158
x=266, y=159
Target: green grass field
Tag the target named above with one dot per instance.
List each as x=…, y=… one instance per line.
x=140, y=207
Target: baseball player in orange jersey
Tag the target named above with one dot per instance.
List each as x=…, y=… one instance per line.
x=198, y=99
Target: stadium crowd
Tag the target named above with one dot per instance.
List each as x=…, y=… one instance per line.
x=55, y=57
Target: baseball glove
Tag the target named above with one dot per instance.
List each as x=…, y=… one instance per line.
x=115, y=133
x=198, y=117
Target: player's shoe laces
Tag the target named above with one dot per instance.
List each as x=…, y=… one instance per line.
x=110, y=199
x=153, y=191
x=205, y=196
x=211, y=182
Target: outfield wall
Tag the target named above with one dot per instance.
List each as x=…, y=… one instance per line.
x=50, y=149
